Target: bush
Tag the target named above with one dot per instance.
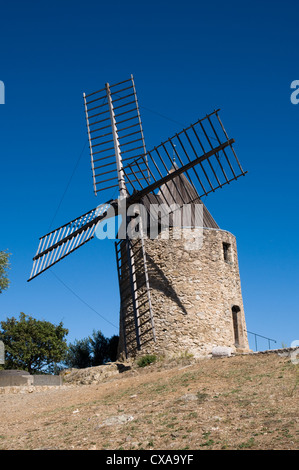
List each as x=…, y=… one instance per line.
x=146, y=360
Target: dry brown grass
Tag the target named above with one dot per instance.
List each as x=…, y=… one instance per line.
x=241, y=402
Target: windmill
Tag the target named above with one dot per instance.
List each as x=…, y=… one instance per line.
x=180, y=171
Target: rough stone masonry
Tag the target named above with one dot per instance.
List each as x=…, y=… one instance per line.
x=195, y=294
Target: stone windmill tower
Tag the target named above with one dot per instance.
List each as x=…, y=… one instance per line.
x=178, y=271
x=191, y=300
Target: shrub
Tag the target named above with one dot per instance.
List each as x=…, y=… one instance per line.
x=146, y=360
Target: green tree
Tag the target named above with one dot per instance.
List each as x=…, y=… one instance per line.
x=112, y=348
x=32, y=345
x=99, y=348
x=79, y=354
x=94, y=350
x=103, y=349
x=4, y=266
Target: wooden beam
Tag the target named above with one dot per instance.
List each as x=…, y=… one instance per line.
x=143, y=192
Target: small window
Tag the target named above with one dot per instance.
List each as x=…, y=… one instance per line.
x=227, y=252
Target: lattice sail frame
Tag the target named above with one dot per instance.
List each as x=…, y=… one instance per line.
x=136, y=315
x=203, y=153
x=56, y=245
x=114, y=132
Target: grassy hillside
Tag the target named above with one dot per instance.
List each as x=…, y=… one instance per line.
x=241, y=402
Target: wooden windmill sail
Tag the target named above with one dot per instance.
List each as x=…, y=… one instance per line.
x=205, y=161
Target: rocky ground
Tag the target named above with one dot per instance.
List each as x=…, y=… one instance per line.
x=240, y=402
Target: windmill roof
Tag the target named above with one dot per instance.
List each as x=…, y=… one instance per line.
x=180, y=191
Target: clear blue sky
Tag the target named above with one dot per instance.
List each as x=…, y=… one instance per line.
x=187, y=58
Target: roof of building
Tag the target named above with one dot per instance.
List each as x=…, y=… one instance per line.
x=180, y=191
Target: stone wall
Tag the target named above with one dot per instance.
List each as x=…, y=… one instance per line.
x=10, y=378
x=193, y=292
x=21, y=378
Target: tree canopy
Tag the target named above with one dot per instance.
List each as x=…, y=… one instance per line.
x=39, y=346
x=32, y=345
x=4, y=266
x=92, y=351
